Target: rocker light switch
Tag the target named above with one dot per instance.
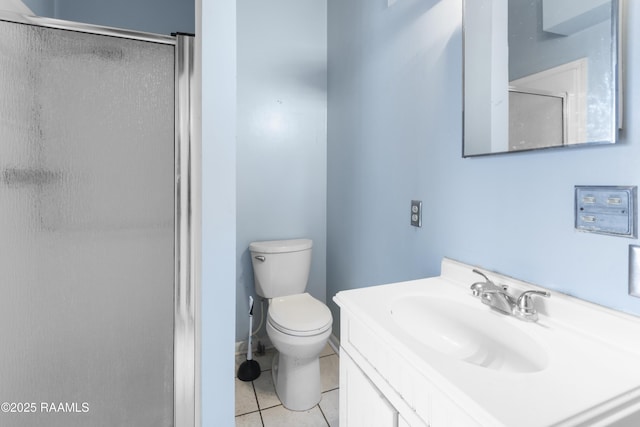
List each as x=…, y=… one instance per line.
x=606, y=210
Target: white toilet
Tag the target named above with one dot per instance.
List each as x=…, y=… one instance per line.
x=297, y=324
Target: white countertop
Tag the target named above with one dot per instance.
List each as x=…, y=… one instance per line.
x=592, y=365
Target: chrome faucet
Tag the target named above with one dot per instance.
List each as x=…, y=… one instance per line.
x=479, y=287
x=497, y=297
x=525, y=309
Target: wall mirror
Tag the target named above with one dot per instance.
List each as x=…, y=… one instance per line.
x=539, y=74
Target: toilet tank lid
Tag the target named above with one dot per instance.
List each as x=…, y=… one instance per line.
x=281, y=246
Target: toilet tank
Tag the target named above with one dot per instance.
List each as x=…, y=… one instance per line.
x=281, y=267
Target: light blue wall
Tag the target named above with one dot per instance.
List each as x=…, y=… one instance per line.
x=217, y=34
x=154, y=16
x=42, y=7
x=282, y=133
x=394, y=134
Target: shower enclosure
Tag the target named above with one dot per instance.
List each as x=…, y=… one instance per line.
x=97, y=285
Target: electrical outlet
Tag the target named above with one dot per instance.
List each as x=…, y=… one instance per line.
x=416, y=213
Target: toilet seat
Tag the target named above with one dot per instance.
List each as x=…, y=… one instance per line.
x=299, y=315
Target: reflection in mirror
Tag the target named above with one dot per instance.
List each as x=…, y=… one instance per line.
x=539, y=74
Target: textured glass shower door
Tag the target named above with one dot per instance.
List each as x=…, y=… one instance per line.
x=87, y=229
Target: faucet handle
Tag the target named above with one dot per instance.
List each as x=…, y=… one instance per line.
x=525, y=307
x=480, y=288
x=476, y=289
x=482, y=274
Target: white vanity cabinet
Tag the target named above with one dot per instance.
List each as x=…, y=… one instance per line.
x=364, y=405
x=427, y=353
x=378, y=388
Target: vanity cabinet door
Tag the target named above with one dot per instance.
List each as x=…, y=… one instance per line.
x=361, y=403
x=402, y=422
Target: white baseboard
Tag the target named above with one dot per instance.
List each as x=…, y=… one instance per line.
x=241, y=346
x=334, y=342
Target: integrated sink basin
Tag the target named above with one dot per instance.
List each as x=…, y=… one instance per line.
x=441, y=356
x=469, y=334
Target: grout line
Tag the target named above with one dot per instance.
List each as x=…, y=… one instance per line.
x=247, y=413
x=261, y=419
x=255, y=395
x=323, y=415
x=329, y=355
x=273, y=406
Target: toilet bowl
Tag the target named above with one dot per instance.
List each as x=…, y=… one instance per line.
x=298, y=324
x=299, y=340
x=299, y=327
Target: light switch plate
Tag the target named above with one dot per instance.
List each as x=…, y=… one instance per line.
x=634, y=270
x=607, y=210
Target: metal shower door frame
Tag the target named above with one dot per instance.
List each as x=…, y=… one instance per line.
x=187, y=226
x=188, y=232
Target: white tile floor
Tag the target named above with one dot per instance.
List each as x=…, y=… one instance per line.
x=257, y=404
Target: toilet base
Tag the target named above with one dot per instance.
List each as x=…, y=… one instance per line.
x=297, y=381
